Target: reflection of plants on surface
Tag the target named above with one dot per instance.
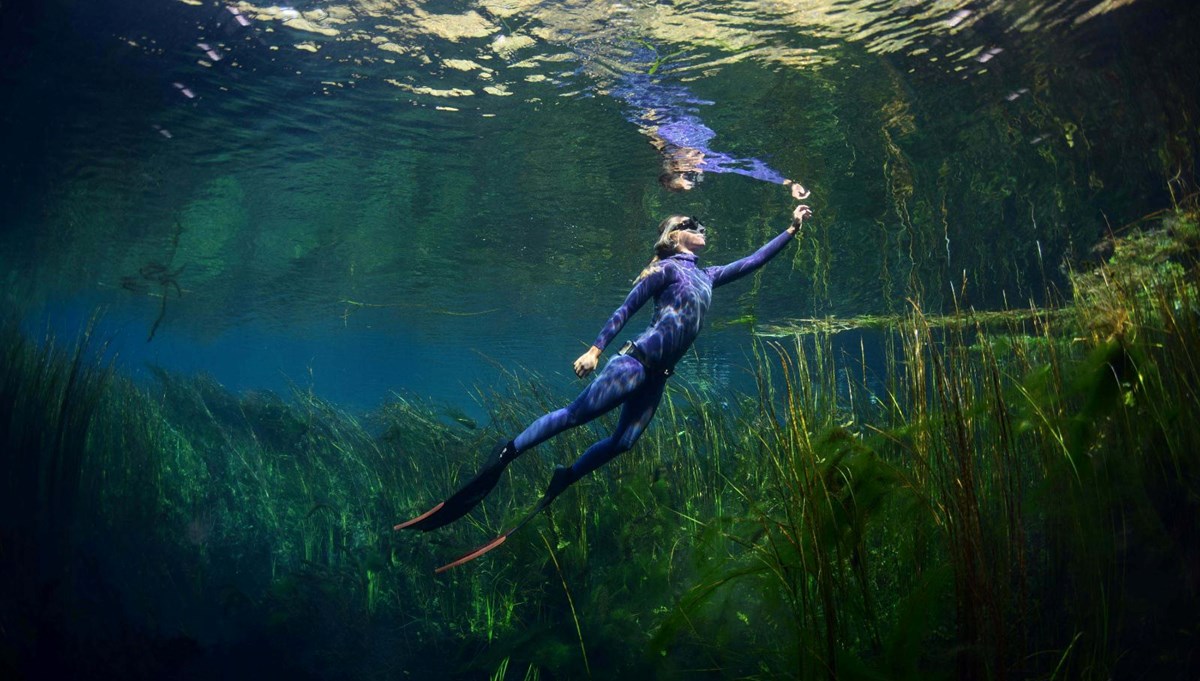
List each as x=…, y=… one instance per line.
x=1009, y=504
x=1134, y=267
x=160, y=275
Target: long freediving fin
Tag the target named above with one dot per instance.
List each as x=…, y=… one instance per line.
x=468, y=496
x=561, y=480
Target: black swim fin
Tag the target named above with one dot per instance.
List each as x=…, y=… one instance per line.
x=468, y=496
x=562, y=479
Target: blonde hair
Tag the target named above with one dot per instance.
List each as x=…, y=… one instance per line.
x=665, y=247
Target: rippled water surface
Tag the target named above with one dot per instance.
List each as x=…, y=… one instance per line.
x=411, y=196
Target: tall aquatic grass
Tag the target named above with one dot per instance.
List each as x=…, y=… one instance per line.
x=49, y=400
x=998, y=497
x=976, y=520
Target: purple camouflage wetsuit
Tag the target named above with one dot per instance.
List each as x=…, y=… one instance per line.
x=682, y=293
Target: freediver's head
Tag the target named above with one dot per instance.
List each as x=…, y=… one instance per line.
x=679, y=181
x=679, y=232
x=675, y=233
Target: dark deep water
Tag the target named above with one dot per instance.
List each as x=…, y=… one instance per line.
x=385, y=198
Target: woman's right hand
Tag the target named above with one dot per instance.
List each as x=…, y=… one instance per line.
x=587, y=362
x=798, y=217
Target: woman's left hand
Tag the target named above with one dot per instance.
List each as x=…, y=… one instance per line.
x=798, y=191
x=798, y=217
x=587, y=362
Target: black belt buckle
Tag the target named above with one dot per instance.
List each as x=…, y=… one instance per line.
x=630, y=348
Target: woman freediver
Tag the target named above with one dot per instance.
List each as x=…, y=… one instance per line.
x=635, y=377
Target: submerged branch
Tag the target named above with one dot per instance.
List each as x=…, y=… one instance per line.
x=806, y=326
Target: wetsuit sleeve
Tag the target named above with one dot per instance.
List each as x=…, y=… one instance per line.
x=645, y=289
x=723, y=163
x=723, y=274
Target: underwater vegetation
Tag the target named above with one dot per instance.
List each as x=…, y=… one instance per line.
x=1012, y=495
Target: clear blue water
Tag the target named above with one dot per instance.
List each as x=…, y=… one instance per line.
x=464, y=172
x=428, y=198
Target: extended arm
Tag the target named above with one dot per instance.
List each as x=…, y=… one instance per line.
x=723, y=274
x=645, y=289
x=723, y=163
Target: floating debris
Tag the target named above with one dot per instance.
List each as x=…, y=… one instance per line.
x=1016, y=94
x=238, y=16
x=212, y=53
x=988, y=55
x=958, y=17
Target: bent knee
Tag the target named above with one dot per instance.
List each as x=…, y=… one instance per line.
x=624, y=444
x=571, y=416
